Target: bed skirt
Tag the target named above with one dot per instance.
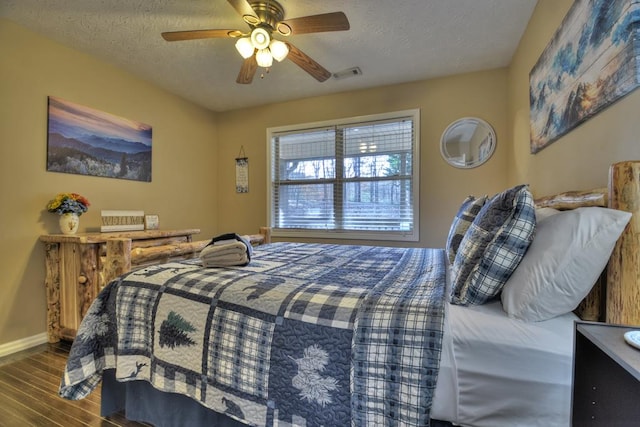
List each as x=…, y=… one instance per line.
x=143, y=403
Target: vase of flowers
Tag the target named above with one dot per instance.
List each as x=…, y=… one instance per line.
x=69, y=206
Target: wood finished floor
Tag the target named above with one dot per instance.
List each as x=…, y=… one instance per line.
x=29, y=383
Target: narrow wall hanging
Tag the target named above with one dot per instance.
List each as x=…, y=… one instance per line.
x=242, y=172
x=85, y=141
x=589, y=64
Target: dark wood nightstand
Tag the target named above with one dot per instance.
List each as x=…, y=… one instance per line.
x=606, y=377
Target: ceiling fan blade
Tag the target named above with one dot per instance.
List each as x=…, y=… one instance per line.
x=334, y=21
x=173, y=36
x=305, y=62
x=247, y=71
x=243, y=8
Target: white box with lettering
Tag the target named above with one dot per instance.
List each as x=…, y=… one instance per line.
x=122, y=221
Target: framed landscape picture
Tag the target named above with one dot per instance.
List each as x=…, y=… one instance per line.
x=591, y=62
x=85, y=141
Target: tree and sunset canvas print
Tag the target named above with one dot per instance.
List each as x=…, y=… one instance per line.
x=591, y=62
x=85, y=141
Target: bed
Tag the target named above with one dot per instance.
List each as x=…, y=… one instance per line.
x=317, y=334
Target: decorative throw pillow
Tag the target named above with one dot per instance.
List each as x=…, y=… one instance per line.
x=564, y=261
x=461, y=222
x=493, y=246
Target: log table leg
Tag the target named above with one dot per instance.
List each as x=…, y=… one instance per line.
x=52, y=287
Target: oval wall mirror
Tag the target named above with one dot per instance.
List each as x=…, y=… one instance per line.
x=468, y=142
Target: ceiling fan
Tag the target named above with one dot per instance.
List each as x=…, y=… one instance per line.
x=266, y=18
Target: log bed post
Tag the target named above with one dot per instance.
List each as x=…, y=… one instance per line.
x=623, y=281
x=265, y=232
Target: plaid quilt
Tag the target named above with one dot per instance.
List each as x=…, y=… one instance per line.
x=305, y=335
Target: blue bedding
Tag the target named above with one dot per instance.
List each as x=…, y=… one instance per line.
x=306, y=334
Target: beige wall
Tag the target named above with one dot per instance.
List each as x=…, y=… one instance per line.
x=580, y=159
x=440, y=101
x=184, y=186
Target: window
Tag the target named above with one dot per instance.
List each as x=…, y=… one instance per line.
x=354, y=179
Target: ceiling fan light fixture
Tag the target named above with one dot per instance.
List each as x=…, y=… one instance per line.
x=264, y=58
x=260, y=38
x=283, y=29
x=235, y=33
x=244, y=47
x=257, y=47
x=251, y=20
x=279, y=50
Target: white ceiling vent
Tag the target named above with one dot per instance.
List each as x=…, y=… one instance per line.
x=350, y=72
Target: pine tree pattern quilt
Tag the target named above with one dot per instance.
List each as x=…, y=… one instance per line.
x=305, y=335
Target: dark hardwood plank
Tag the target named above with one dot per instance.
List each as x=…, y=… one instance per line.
x=22, y=354
x=17, y=377
x=29, y=382
x=31, y=417
x=55, y=409
x=9, y=416
x=42, y=366
x=37, y=412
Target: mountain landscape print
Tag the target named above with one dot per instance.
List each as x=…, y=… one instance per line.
x=85, y=141
x=591, y=62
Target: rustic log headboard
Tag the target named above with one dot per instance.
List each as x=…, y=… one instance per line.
x=615, y=298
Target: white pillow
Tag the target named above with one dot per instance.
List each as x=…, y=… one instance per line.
x=565, y=259
x=542, y=213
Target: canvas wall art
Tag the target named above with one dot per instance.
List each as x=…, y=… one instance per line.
x=590, y=63
x=85, y=141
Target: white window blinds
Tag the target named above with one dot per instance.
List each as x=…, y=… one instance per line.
x=356, y=178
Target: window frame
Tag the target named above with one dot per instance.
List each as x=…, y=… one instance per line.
x=399, y=236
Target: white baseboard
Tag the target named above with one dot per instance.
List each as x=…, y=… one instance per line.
x=23, y=344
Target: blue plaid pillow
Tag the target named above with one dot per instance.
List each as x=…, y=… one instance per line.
x=493, y=246
x=461, y=222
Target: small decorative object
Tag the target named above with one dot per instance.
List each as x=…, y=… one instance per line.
x=69, y=206
x=590, y=63
x=69, y=223
x=242, y=172
x=151, y=222
x=122, y=221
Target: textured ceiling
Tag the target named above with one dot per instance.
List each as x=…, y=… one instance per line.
x=390, y=41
